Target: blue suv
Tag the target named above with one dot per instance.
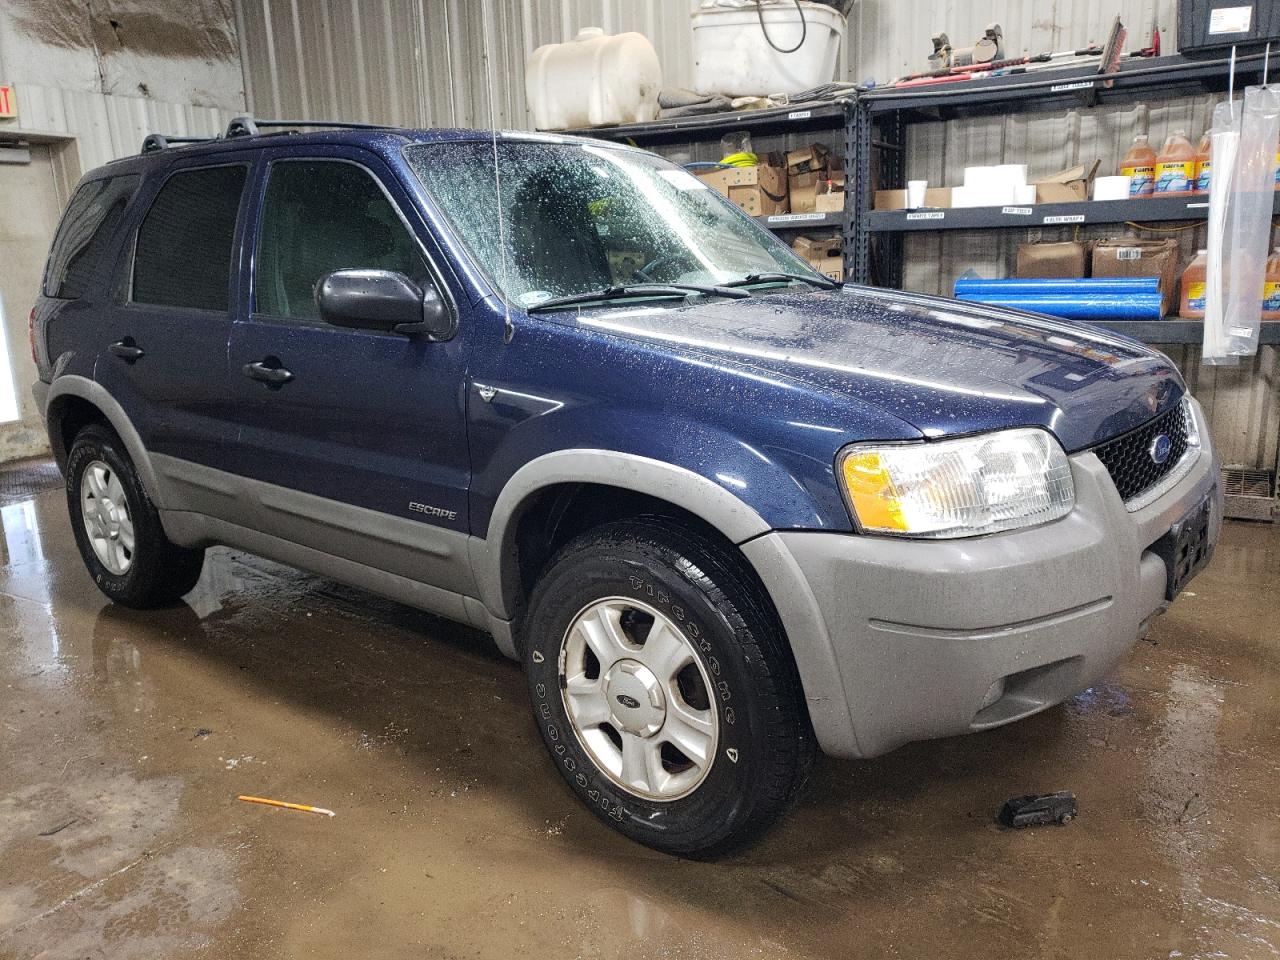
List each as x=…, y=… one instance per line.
x=726, y=511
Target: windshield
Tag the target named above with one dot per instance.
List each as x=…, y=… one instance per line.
x=579, y=218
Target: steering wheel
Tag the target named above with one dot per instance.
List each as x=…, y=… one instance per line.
x=646, y=272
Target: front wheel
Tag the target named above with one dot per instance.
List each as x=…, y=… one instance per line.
x=663, y=688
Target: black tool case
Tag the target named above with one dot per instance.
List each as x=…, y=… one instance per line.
x=1211, y=27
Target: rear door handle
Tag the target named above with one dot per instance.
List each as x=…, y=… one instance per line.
x=127, y=350
x=271, y=376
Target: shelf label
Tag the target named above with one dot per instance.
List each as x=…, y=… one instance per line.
x=795, y=217
x=928, y=215
x=1201, y=205
x=1017, y=211
x=1074, y=218
x=799, y=114
x=1230, y=20
x=1077, y=85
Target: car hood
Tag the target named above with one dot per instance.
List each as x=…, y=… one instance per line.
x=942, y=366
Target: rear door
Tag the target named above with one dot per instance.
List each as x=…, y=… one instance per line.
x=367, y=421
x=164, y=332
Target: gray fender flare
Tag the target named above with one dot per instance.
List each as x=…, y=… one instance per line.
x=86, y=389
x=493, y=557
x=493, y=560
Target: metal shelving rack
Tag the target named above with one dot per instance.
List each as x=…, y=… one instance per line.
x=836, y=116
x=877, y=120
x=882, y=118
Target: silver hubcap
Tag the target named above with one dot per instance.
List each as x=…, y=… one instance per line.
x=639, y=698
x=106, y=517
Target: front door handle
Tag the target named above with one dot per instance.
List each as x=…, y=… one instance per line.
x=127, y=350
x=272, y=376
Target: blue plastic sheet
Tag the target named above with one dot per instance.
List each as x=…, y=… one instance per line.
x=1102, y=306
x=1105, y=286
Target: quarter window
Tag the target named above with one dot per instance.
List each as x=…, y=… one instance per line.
x=320, y=216
x=83, y=243
x=184, y=249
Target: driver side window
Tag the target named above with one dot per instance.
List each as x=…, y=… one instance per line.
x=320, y=216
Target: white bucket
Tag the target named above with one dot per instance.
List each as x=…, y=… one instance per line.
x=594, y=80
x=732, y=56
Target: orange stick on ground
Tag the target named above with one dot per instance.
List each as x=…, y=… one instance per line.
x=288, y=806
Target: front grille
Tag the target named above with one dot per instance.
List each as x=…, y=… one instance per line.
x=1128, y=456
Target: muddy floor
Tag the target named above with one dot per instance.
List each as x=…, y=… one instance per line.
x=125, y=738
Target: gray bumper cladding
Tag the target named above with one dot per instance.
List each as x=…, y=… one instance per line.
x=899, y=640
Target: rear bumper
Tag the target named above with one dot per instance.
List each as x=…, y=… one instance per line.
x=900, y=640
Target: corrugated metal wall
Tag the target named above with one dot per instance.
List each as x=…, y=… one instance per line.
x=424, y=62
x=892, y=37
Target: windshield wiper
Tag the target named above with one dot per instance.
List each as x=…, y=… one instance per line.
x=628, y=290
x=823, y=283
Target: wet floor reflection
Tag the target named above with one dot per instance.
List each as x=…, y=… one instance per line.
x=125, y=737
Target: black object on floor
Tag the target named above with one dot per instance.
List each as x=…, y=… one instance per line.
x=1038, y=809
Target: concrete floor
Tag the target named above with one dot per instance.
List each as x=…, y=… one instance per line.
x=126, y=737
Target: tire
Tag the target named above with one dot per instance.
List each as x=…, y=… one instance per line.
x=150, y=571
x=717, y=790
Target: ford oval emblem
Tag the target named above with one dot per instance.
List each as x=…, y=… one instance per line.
x=1160, y=448
x=627, y=701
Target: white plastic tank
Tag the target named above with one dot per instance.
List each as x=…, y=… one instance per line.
x=731, y=54
x=594, y=80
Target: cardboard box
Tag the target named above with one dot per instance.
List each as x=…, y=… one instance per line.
x=832, y=202
x=623, y=264
x=759, y=190
x=1038, y=261
x=810, y=159
x=805, y=190
x=1067, y=186
x=936, y=197
x=821, y=253
x=1131, y=257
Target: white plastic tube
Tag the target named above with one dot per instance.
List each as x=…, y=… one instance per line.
x=1241, y=196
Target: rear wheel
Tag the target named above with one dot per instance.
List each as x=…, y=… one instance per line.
x=663, y=688
x=118, y=529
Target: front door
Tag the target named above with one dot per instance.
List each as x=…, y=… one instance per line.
x=367, y=428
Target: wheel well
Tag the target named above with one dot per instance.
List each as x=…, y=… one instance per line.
x=559, y=513
x=67, y=417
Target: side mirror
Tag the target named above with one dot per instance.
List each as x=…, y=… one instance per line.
x=382, y=300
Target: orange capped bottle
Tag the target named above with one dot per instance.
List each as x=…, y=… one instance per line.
x=1191, y=306
x=1139, y=165
x=1271, y=288
x=1175, y=166
x=1204, y=165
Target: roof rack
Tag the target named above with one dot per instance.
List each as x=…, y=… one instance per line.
x=159, y=141
x=251, y=127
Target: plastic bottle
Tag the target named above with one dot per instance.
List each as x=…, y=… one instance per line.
x=1175, y=166
x=1139, y=165
x=1191, y=306
x=1204, y=165
x=1271, y=288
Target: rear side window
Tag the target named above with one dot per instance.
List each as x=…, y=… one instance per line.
x=183, y=253
x=320, y=216
x=80, y=250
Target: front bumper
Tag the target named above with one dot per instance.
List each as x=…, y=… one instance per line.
x=901, y=640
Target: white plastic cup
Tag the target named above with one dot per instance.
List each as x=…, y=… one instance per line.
x=915, y=193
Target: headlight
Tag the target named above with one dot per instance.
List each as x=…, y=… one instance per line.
x=958, y=488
